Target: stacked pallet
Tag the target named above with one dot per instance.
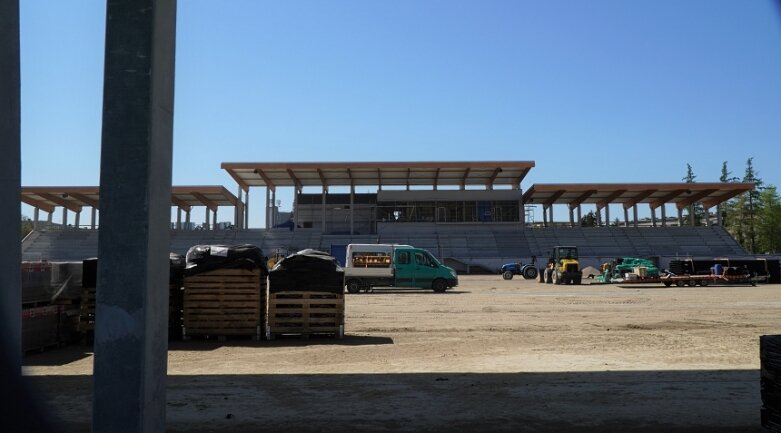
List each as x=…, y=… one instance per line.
x=224, y=302
x=224, y=292
x=306, y=296
x=770, y=381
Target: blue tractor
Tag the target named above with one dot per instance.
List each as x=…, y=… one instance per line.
x=527, y=270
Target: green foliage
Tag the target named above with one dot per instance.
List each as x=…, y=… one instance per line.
x=768, y=228
x=696, y=208
x=589, y=219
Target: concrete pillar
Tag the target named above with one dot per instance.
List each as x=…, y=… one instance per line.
x=544, y=216
x=653, y=215
x=187, y=219
x=78, y=220
x=599, y=216
x=214, y=219
x=238, y=215
x=719, y=218
x=664, y=216
x=36, y=213
x=680, y=217
x=580, y=215
x=691, y=216
x=268, y=208
x=206, y=219
x=571, y=217
x=274, y=208
x=634, y=214
x=131, y=333
x=607, y=215
x=246, y=209
x=707, y=217
x=352, y=210
x=626, y=217
x=178, y=218
x=550, y=209
x=10, y=190
x=50, y=217
x=295, y=208
x=93, y=220
x=64, y=218
x=322, y=210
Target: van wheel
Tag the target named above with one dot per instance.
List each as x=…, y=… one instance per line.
x=507, y=275
x=439, y=285
x=530, y=273
x=353, y=286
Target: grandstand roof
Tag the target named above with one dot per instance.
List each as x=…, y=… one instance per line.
x=655, y=194
x=274, y=174
x=73, y=198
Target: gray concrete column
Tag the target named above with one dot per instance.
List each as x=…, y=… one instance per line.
x=719, y=218
x=214, y=219
x=580, y=215
x=295, y=208
x=93, y=220
x=653, y=215
x=206, y=219
x=274, y=207
x=50, y=217
x=64, y=218
x=352, y=209
x=571, y=217
x=322, y=210
x=246, y=209
x=131, y=332
x=691, y=215
x=626, y=217
x=36, y=214
x=10, y=187
x=707, y=217
x=634, y=214
x=599, y=216
x=78, y=220
x=607, y=215
x=664, y=216
x=187, y=219
x=268, y=208
x=544, y=216
x=238, y=215
x=178, y=218
x=550, y=209
x=680, y=217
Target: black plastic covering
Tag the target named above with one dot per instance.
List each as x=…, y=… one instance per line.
x=307, y=270
x=89, y=270
x=770, y=381
x=204, y=258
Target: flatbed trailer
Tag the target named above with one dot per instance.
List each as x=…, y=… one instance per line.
x=705, y=280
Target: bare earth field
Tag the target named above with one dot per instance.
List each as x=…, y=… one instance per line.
x=489, y=355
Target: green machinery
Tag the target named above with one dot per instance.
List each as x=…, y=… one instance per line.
x=628, y=269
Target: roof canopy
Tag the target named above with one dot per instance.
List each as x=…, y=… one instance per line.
x=73, y=198
x=655, y=194
x=325, y=174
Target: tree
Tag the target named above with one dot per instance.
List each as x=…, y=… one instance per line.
x=27, y=226
x=725, y=209
x=769, y=221
x=589, y=219
x=694, y=208
x=752, y=204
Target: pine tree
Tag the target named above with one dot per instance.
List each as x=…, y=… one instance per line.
x=694, y=208
x=752, y=204
x=769, y=221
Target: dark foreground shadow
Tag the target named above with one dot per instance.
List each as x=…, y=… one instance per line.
x=626, y=401
x=283, y=340
x=60, y=356
x=408, y=291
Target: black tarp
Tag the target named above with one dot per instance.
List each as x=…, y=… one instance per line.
x=307, y=270
x=204, y=258
x=770, y=381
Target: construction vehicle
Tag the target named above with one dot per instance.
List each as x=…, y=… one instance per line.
x=527, y=270
x=628, y=270
x=563, y=266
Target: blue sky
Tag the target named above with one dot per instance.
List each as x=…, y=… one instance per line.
x=598, y=91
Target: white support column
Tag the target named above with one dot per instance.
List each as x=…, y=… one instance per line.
x=268, y=208
x=634, y=214
x=322, y=210
x=352, y=210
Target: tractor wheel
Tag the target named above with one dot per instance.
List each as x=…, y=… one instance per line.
x=548, y=278
x=576, y=280
x=555, y=277
x=530, y=273
x=667, y=283
x=507, y=275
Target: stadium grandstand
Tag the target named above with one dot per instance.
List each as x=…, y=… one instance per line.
x=472, y=215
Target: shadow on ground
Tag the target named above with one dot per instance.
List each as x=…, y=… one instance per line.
x=625, y=401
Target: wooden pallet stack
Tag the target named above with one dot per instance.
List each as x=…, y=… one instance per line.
x=305, y=313
x=306, y=296
x=224, y=302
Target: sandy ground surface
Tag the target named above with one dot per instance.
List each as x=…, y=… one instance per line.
x=489, y=355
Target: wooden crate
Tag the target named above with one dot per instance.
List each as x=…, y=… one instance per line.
x=305, y=313
x=224, y=302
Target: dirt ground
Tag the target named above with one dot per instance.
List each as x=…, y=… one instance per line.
x=489, y=355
